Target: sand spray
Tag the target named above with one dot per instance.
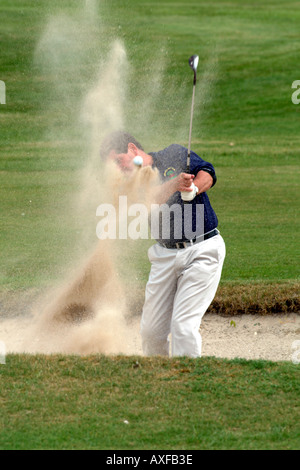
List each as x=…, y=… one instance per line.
x=89, y=311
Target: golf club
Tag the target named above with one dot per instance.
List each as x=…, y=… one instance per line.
x=193, y=62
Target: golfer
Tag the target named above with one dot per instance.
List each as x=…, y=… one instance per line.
x=186, y=264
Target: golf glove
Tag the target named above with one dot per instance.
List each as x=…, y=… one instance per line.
x=188, y=196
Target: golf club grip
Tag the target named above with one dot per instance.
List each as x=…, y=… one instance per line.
x=188, y=163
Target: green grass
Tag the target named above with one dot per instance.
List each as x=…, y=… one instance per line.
x=56, y=402
x=247, y=65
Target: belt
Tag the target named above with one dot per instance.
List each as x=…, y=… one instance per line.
x=192, y=242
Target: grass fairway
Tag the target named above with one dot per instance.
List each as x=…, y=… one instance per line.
x=245, y=124
x=83, y=403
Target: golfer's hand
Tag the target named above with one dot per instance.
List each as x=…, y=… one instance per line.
x=184, y=182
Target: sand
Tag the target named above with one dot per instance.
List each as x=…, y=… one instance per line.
x=271, y=338
x=251, y=336
x=274, y=338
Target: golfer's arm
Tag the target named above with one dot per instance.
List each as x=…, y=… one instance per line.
x=203, y=181
x=165, y=191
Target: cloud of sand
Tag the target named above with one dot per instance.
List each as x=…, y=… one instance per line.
x=88, y=312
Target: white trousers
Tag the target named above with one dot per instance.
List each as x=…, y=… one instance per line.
x=181, y=286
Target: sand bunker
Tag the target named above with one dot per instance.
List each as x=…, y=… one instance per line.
x=275, y=338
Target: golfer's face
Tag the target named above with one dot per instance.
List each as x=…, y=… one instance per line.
x=123, y=160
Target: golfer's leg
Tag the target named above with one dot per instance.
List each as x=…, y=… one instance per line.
x=159, y=298
x=197, y=286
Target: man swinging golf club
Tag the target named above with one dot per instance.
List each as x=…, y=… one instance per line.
x=185, y=269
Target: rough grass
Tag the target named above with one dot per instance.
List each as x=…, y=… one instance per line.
x=96, y=402
x=257, y=298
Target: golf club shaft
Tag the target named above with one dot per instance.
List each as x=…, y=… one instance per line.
x=190, y=135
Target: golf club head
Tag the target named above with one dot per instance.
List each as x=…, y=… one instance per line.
x=193, y=62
